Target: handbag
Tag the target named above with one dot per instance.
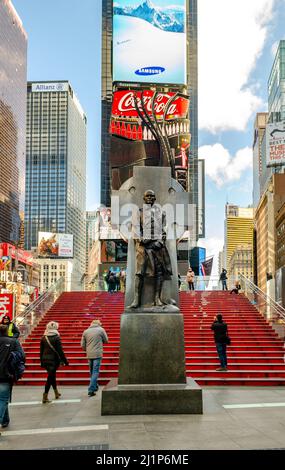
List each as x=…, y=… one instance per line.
x=228, y=340
x=51, y=346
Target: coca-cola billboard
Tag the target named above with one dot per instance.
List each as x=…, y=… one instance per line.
x=124, y=105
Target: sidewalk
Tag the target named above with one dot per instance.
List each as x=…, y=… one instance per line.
x=75, y=421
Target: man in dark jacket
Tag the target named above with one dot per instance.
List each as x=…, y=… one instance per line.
x=220, y=329
x=7, y=344
x=223, y=278
x=92, y=342
x=13, y=331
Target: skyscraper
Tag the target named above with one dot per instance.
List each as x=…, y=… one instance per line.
x=191, y=88
x=13, y=83
x=56, y=165
x=259, y=132
x=238, y=232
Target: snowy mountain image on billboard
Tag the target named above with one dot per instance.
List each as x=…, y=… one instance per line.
x=149, y=41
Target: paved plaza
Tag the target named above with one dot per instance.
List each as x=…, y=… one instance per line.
x=234, y=418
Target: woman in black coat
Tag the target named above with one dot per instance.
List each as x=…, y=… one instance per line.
x=51, y=356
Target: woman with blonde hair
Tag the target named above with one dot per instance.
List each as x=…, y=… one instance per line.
x=51, y=356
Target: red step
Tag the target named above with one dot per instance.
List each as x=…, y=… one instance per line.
x=255, y=357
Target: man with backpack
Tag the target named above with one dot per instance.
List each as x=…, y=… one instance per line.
x=12, y=360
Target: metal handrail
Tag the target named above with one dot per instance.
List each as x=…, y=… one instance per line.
x=30, y=317
x=269, y=302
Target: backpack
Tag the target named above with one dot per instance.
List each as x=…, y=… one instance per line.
x=16, y=365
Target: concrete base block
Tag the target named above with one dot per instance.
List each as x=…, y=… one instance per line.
x=152, y=399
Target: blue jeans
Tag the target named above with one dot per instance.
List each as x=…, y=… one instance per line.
x=222, y=351
x=5, y=397
x=224, y=284
x=94, y=366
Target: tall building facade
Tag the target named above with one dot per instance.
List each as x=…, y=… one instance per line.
x=275, y=118
x=269, y=241
x=259, y=132
x=239, y=226
x=190, y=87
x=56, y=165
x=13, y=90
x=276, y=86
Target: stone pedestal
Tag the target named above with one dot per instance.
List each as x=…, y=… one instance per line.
x=152, y=399
x=152, y=378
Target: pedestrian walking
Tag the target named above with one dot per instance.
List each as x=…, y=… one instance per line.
x=190, y=277
x=223, y=279
x=221, y=338
x=13, y=330
x=51, y=357
x=92, y=342
x=8, y=344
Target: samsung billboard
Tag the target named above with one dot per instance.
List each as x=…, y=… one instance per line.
x=149, y=41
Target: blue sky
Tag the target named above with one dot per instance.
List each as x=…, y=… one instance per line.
x=237, y=40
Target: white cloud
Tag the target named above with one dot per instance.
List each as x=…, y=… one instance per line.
x=231, y=38
x=223, y=168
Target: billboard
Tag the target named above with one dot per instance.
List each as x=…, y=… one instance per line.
x=6, y=305
x=106, y=230
x=275, y=144
x=149, y=41
x=55, y=245
x=125, y=121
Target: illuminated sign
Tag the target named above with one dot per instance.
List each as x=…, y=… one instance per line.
x=45, y=87
x=149, y=41
x=6, y=305
x=55, y=245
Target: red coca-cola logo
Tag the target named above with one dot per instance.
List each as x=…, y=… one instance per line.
x=124, y=104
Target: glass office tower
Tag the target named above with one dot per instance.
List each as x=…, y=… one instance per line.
x=56, y=165
x=13, y=90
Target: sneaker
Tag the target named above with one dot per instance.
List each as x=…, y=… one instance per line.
x=221, y=369
x=91, y=394
x=5, y=425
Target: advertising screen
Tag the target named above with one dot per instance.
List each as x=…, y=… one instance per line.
x=6, y=305
x=149, y=41
x=275, y=143
x=106, y=230
x=55, y=245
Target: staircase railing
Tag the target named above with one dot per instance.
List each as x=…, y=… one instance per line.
x=207, y=283
x=271, y=310
x=30, y=317
x=201, y=283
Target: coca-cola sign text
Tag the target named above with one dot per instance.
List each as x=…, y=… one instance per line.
x=124, y=105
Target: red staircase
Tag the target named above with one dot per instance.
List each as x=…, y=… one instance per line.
x=255, y=357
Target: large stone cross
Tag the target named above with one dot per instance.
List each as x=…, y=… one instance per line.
x=180, y=216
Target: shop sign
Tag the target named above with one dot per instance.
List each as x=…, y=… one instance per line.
x=6, y=305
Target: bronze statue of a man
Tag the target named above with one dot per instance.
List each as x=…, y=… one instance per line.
x=152, y=257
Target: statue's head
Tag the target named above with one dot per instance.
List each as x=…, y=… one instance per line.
x=149, y=197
